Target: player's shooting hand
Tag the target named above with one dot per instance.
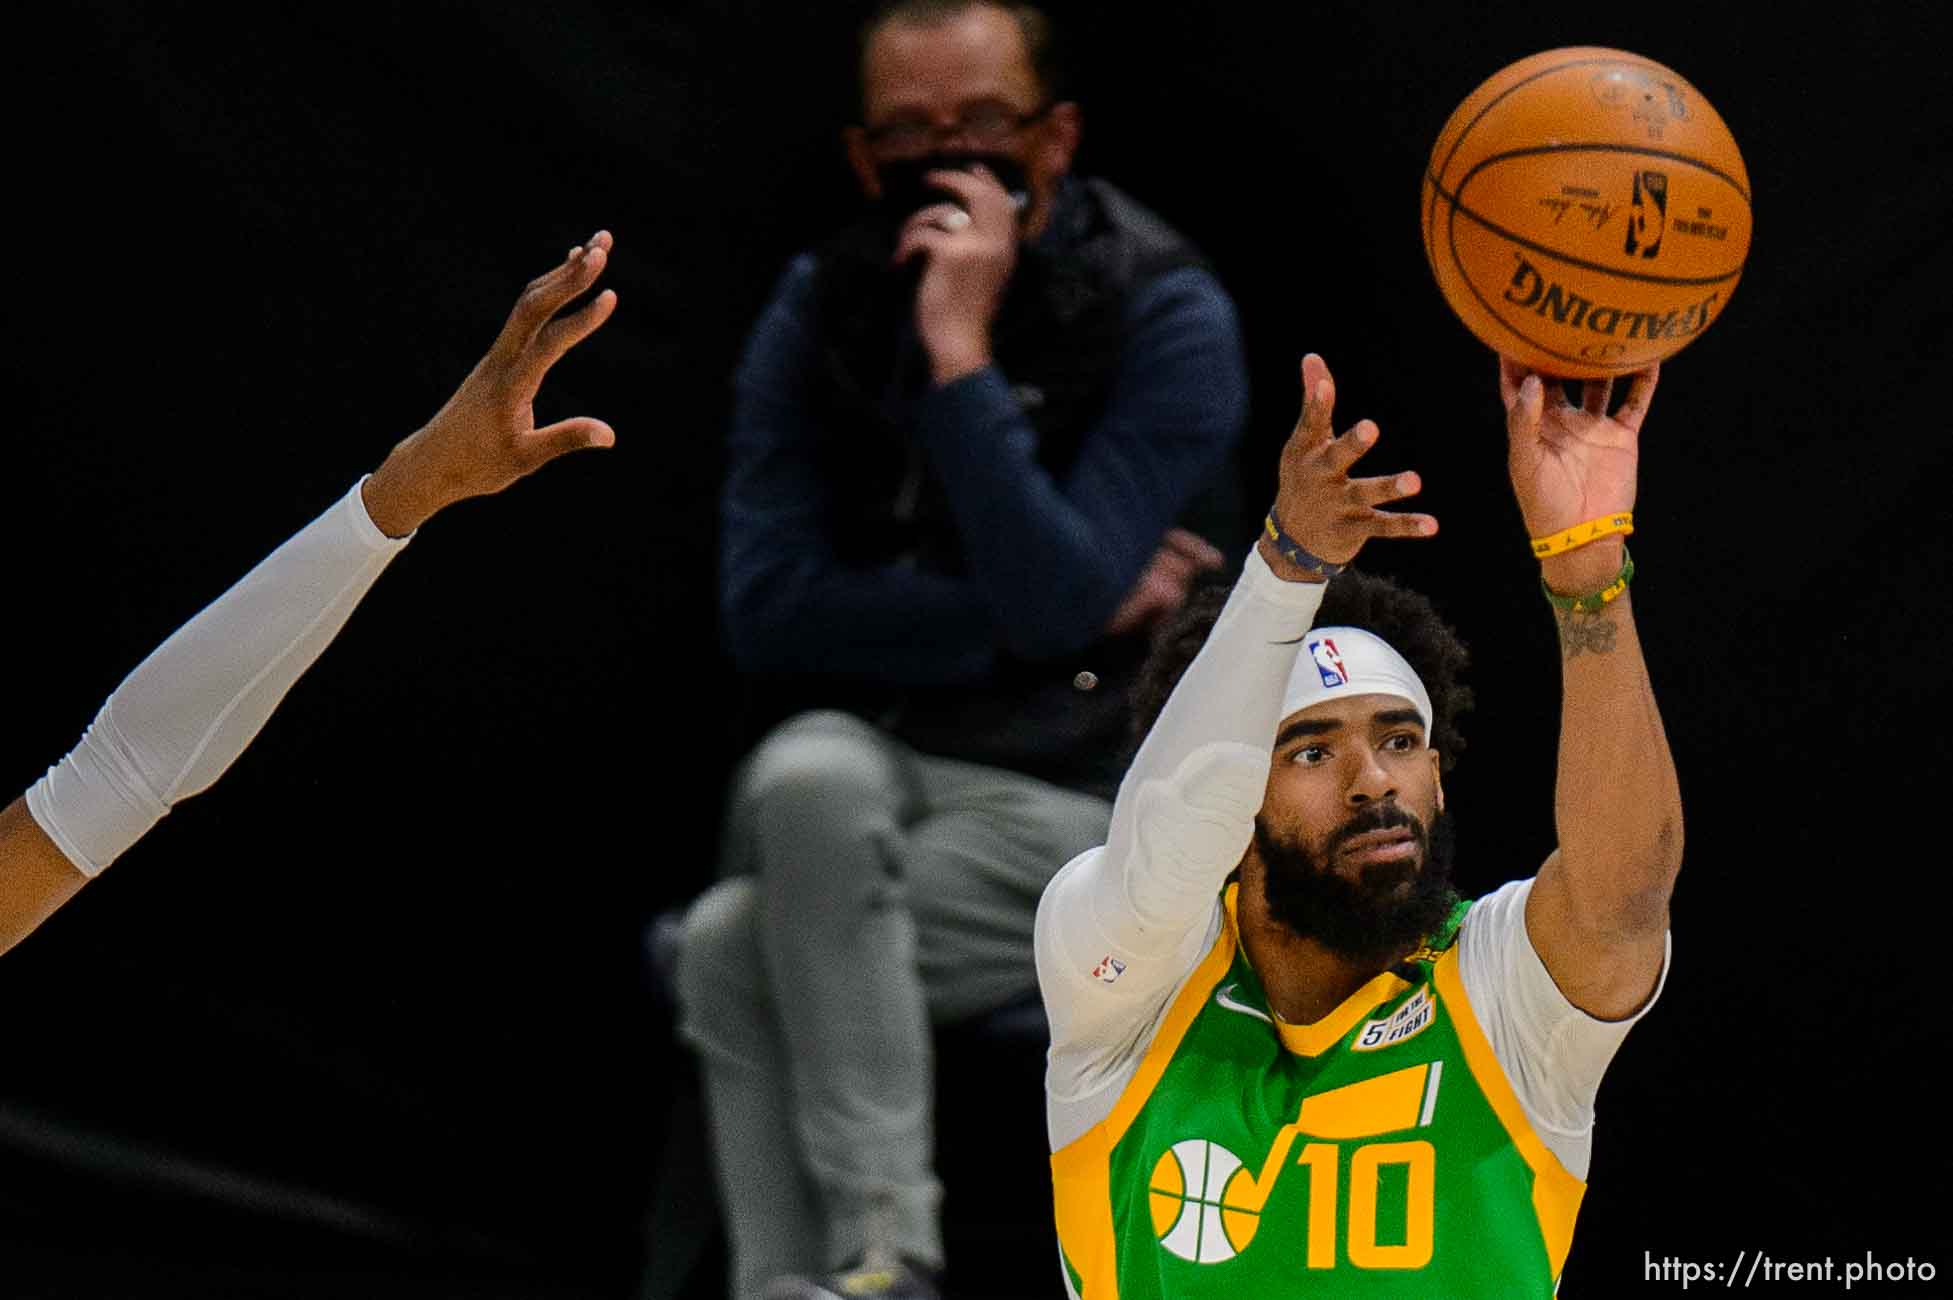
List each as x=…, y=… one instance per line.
x=1573, y=463
x=1317, y=502
x=1162, y=588
x=970, y=246
x=485, y=437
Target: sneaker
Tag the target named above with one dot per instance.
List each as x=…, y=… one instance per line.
x=900, y=1281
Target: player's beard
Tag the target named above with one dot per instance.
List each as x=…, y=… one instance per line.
x=1372, y=918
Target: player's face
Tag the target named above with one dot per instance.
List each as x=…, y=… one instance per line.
x=964, y=84
x=1345, y=834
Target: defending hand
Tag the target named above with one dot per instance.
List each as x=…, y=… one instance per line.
x=1317, y=502
x=485, y=437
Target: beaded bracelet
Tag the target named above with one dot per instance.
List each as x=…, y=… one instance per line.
x=1294, y=552
x=1595, y=601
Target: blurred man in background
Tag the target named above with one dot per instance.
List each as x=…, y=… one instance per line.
x=964, y=429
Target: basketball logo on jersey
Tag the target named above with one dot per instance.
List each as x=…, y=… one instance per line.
x=1329, y=662
x=1206, y=1206
x=1649, y=211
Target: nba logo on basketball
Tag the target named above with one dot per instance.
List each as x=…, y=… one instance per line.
x=1329, y=662
x=1650, y=208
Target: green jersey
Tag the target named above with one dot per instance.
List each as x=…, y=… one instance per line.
x=1377, y=1152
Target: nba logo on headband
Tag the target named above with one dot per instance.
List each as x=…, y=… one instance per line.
x=1329, y=662
x=1346, y=661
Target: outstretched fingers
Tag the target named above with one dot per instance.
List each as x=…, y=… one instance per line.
x=548, y=293
x=1397, y=524
x=1595, y=395
x=1344, y=452
x=1512, y=376
x=1366, y=497
x=1318, y=503
x=556, y=337
x=1371, y=494
x=1641, y=395
x=565, y=436
x=1524, y=394
x=1313, y=427
x=560, y=335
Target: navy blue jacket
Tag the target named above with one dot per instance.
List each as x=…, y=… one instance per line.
x=998, y=550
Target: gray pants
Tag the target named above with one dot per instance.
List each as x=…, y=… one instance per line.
x=870, y=890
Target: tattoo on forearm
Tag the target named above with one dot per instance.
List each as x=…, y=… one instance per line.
x=1587, y=633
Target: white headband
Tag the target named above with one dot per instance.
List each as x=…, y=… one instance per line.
x=1339, y=661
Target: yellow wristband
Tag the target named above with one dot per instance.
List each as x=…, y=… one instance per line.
x=1580, y=534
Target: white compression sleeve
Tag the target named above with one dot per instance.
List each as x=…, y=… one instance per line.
x=189, y=709
x=1119, y=928
x=1186, y=809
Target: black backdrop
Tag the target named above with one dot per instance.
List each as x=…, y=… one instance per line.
x=386, y=977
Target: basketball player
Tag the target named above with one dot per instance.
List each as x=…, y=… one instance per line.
x=1285, y=1059
x=176, y=722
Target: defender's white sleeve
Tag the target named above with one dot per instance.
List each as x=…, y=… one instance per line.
x=1552, y=1052
x=189, y=709
x=1121, y=927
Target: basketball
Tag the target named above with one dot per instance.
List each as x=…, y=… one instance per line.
x=1586, y=212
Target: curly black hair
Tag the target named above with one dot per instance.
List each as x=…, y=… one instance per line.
x=1402, y=617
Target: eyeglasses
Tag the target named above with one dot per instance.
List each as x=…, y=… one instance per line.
x=981, y=128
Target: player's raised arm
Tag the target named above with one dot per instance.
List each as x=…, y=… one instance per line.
x=1599, y=911
x=1186, y=809
x=1323, y=515
x=179, y=720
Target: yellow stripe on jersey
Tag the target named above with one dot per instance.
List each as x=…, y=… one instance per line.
x=1556, y=1193
x=1317, y=1038
x=1358, y=1110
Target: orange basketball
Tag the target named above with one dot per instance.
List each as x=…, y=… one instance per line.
x=1586, y=212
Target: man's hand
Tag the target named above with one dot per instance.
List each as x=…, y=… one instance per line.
x=1573, y=463
x=485, y=437
x=1317, y=503
x=971, y=250
x=1162, y=588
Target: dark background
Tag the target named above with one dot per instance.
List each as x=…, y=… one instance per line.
x=371, y=1016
